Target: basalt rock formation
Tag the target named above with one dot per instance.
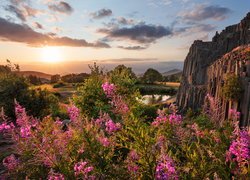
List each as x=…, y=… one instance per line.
x=203, y=66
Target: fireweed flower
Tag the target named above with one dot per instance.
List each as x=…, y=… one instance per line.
x=21, y=117
x=25, y=131
x=112, y=127
x=133, y=157
x=165, y=169
x=234, y=114
x=6, y=127
x=175, y=119
x=197, y=131
x=55, y=176
x=239, y=149
x=73, y=112
x=109, y=89
x=104, y=141
x=10, y=162
x=81, y=168
x=119, y=105
x=162, y=119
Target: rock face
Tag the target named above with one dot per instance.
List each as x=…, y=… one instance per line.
x=201, y=56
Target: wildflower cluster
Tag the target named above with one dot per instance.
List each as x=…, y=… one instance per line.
x=109, y=89
x=10, y=162
x=73, y=112
x=81, y=168
x=165, y=169
x=132, y=161
x=239, y=150
x=162, y=118
x=120, y=107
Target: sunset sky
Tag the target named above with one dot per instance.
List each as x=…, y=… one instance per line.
x=64, y=36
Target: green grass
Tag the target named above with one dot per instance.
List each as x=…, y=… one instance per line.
x=156, y=89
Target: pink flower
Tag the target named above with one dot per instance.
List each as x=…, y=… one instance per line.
x=109, y=89
x=73, y=112
x=25, y=131
x=197, y=131
x=133, y=155
x=104, y=141
x=120, y=106
x=239, y=149
x=80, y=168
x=165, y=169
x=234, y=114
x=112, y=127
x=162, y=119
x=6, y=127
x=21, y=117
x=10, y=162
x=55, y=176
x=175, y=118
x=133, y=168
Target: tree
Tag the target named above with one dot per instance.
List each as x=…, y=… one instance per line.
x=55, y=78
x=34, y=80
x=38, y=103
x=124, y=78
x=151, y=75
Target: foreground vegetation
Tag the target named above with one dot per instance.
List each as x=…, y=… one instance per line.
x=110, y=135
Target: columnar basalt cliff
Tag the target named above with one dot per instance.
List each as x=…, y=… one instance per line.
x=201, y=56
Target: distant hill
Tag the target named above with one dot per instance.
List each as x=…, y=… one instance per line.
x=172, y=72
x=34, y=73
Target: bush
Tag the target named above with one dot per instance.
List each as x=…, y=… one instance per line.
x=59, y=85
x=232, y=89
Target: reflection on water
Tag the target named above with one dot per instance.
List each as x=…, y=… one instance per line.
x=153, y=99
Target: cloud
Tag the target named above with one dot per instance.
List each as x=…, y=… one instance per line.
x=38, y=25
x=22, y=10
x=101, y=13
x=195, y=28
x=125, y=21
x=18, y=13
x=204, y=12
x=133, y=47
x=140, y=33
x=22, y=33
x=61, y=7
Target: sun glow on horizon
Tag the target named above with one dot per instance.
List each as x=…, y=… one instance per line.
x=50, y=54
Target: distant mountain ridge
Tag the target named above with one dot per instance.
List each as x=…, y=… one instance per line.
x=172, y=72
x=34, y=73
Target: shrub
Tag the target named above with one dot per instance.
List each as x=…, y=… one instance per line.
x=232, y=89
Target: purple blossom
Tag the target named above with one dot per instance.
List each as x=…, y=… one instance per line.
x=162, y=119
x=234, y=114
x=25, y=131
x=165, y=169
x=133, y=168
x=73, y=112
x=6, y=127
x=21, y=117
x=175, y=118
x=120, y=106
x=104, y=141
x=10, y=162
x=109, y=89
x=112, y=127
x=55, y=176
x=239, y=149
x=80, y=168
x=133, y=155
x=197, y=131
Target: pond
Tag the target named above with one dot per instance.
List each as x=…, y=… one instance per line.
x=154, y=99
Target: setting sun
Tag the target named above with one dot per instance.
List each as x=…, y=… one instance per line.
x=51, y=54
